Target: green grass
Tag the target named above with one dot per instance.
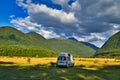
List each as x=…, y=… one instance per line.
x=45, y=72
x=109, y=53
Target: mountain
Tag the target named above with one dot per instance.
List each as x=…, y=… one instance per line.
x=37, y=40
x=111, y=48
x=71, y=38
x=85, y=43
x=66, y=45
x=15, y=43
x=90, y=45
x=11, y=36
x=35, y=35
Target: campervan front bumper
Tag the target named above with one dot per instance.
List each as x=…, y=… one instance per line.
x=61, y=64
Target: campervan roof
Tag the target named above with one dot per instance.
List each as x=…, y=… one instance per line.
x=63, y=54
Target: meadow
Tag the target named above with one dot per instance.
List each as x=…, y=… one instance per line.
x=28, y=68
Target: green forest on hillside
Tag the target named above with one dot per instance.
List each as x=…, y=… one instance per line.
x=23, y=51
x=16, y=43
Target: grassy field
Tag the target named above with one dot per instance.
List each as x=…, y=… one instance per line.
x=40, y=69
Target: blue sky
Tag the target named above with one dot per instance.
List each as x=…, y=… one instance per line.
x=7, y=9
x=91, y=21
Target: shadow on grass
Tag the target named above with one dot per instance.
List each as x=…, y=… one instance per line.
x=45, y=72
x=1, y=62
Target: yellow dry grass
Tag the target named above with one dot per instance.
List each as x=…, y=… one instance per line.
x=27, y=60
x=99, y=62
x=78, y=61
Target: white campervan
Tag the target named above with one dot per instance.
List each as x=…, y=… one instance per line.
x=65, y=60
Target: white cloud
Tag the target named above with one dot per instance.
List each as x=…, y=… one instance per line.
x=11, y=16
x=29, y=1
x=21, y=3
x=53, y=13
x=61, y=2
x=97, y=38
x=91, y=37
x=88, y=20
x=26, y=23
x=75, y=6
x=47, y=34
x=112, y=10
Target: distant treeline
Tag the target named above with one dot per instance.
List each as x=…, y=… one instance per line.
x=26, y=51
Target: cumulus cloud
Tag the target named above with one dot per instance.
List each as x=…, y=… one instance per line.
x=27, y=24
x=75, y=6
x=48, y=34
x=92, y=21
x=61, y=2
x=52, y=14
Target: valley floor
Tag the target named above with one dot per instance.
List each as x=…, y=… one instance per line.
x=16, y=68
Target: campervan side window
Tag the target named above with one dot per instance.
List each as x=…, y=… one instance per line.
x=68, y=58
